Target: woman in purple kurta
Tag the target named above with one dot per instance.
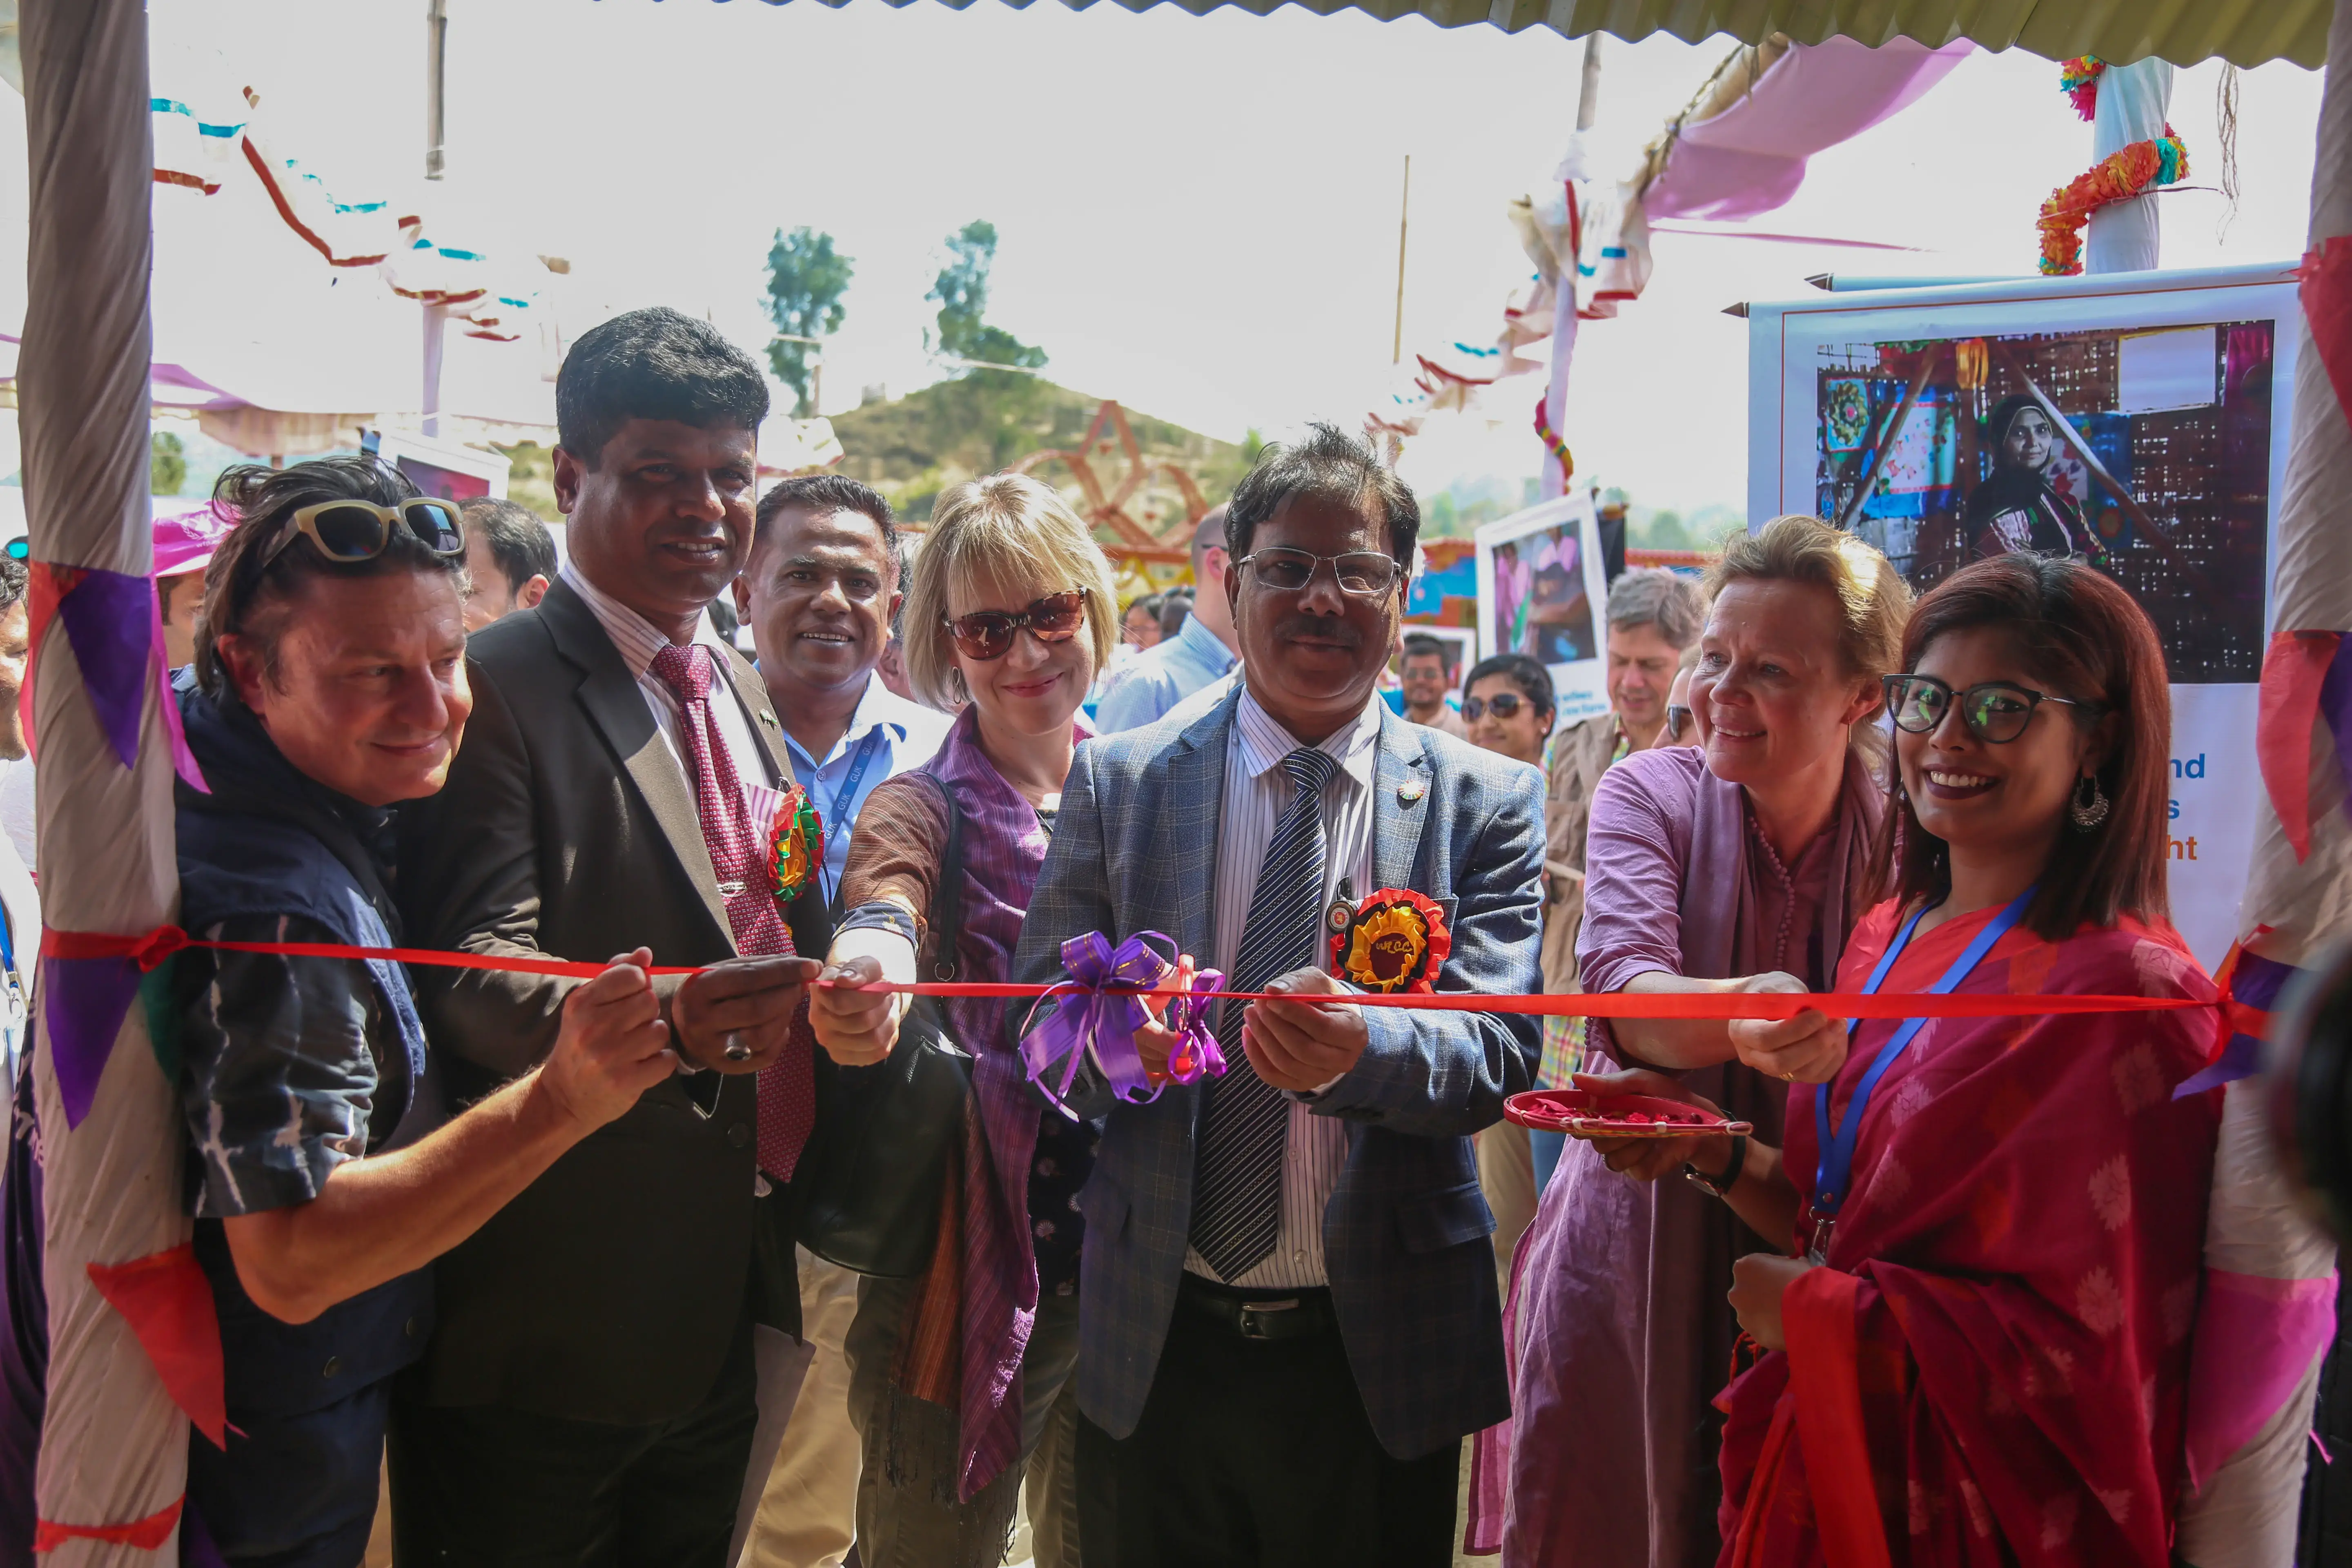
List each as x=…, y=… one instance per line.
x=1740, y=865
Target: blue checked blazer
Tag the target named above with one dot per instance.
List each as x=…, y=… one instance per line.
x=1405, y=1235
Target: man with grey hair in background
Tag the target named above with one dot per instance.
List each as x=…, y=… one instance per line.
x=1653, y=615
x=1202, y=650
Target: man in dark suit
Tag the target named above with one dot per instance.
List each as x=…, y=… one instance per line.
x=1288, y=1309
x=589, y=1395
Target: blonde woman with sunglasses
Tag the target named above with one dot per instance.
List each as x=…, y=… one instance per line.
x=960, y=1381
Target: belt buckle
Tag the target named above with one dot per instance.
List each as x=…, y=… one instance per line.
x=1248, y=1322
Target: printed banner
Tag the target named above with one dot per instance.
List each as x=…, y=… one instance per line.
x=2139, y=421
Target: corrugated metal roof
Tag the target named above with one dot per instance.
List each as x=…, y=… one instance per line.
x=2244, y=32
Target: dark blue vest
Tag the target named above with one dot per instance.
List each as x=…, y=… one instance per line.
x=311, y=1399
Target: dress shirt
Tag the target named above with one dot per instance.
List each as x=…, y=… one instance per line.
x=1162, y=676
x=637, y=641
x=1257, y=792
x=905, y=733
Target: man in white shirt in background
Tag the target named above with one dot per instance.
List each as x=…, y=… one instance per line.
x=1202, y=651
x=1426, y=679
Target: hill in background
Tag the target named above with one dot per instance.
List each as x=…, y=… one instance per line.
x=912, y=448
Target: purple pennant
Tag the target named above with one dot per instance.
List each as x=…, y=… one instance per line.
x=1101, y=1005
x=108, y=616
x=2336, y=707
x=83, y=1003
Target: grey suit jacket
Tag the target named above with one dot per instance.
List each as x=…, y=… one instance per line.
x=611, y=1288
x=1405, y=1233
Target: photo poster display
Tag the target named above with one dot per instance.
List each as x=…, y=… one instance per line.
x=2139, y=420
x=1541, y=593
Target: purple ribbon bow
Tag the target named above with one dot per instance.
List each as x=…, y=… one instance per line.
x=1101, y=1007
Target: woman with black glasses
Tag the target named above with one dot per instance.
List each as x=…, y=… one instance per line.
x=960, y=1379
x=1976, y=1333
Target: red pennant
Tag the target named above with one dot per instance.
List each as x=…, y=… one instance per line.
x=46, y=584
x=2327, y=295
x=168, y=1303
x=2292, y=673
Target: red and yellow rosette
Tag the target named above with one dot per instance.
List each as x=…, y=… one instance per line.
x=1395, y=940
x=795, y=845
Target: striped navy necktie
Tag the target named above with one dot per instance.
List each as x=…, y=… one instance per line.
x=1237, y=1182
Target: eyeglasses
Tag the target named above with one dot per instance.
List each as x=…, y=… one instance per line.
x=1366, y=573
x=988, y=634
x=1678, y=717
x=1994, y=712
x=349, y=531
x=1505, y=705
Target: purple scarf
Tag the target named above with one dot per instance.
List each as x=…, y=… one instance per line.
x=1003, y=850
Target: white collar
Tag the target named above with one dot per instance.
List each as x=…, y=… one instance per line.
x=636, y=639
x=1265, y=742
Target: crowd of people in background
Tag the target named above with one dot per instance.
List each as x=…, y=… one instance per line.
x=555, y=1260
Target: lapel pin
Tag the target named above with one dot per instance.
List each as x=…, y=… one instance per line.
x=1409, y=791
x=768, y=717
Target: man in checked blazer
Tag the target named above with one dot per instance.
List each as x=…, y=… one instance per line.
x=1288, y=1305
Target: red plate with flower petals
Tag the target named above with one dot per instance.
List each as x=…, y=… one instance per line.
x=1581, y=1113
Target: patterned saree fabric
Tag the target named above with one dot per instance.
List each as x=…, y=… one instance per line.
x=2001, y=1340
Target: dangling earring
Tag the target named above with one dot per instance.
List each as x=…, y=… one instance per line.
x=2088, y=812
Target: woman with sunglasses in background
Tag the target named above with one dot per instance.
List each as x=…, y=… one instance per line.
x=1737, y=866
x=329, y=686
x=961, y=1378
x=1976, y=1338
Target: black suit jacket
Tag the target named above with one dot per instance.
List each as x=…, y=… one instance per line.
x=611, y=1289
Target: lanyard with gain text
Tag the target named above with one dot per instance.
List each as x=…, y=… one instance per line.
x=1836, y=1172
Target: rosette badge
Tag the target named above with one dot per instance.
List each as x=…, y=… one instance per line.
x=1395, y=940
x=795, y=844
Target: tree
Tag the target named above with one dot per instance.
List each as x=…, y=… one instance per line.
x=167, y=464
x=806, y=278
x=962, y=291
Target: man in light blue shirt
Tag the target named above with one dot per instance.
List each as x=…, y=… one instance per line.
x=819, y=594
x=1200, y=651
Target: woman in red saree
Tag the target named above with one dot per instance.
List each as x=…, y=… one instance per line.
x=1977, y=1348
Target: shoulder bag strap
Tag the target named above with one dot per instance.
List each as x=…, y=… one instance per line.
x=947, y=894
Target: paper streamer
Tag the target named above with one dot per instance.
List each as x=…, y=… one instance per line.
x=168, y=1303
x=82, y=1004
x=2293, y=671
x=107, y=616
x=2327, y=297
x=2250, y=986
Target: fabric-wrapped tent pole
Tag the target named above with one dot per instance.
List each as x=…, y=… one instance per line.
x=2270, y=1289
x=114, y=1445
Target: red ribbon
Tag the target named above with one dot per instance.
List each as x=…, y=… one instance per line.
x=147, y=1534
x=153, y=947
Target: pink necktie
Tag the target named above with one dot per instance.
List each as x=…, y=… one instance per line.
x=787, y=1087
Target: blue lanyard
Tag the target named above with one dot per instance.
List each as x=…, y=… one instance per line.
x=847, y=793
x=1837, y=1152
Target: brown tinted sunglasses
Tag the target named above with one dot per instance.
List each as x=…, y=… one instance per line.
x=988, y=634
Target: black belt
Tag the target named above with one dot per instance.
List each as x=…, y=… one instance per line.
x=1258, y=1314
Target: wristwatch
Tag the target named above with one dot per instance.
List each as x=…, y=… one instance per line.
x=1721, y=1185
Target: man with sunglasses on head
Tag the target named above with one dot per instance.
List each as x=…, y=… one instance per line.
x=328, y=687
x=592, y=1392
x=1290, y=1316
x=1191, y=655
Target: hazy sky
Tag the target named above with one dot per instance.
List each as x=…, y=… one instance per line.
x=1199, y=215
